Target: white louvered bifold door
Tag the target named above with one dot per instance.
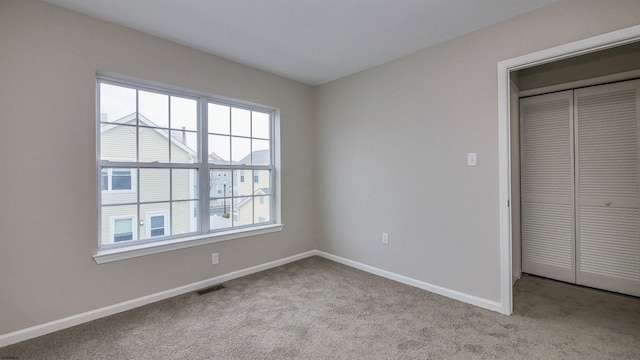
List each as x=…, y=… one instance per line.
x=547, y=206
x=607, y=187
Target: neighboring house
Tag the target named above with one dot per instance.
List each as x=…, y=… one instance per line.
x=243, y=195
x=254, y=209
x=170, y=208
x=167, y=209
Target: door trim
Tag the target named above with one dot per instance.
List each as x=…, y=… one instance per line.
x=593, y=44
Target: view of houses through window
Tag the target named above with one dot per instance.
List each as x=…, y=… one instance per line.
x=150, y=164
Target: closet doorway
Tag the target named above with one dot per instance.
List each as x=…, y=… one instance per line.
x=580, y=186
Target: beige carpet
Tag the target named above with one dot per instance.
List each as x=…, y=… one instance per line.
x=317, y=309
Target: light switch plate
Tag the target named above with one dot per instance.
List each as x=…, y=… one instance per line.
x=472, y=159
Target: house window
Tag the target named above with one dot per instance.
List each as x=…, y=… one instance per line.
x=256, y=178
x=155, y=149
x=104, y=179
x=116, y=179
x=121, y=179
x=157, y=224
x=122, y=229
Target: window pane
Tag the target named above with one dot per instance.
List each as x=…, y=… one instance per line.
x=184, y=113
x=118, y=142
x=159, y=211
x=260, y=125
x=220, y=213
x=184, y=147
x=121, y=186
x=123, y=226
x=240, y=122
x=240, y=150
x=262, y=209
x=219, y=206
x=158, y=232
x=184, y=184
x=121, y=179
x=261, y=154
x=243, y=188
x=157, y=221
x=219, y=149
x=185, y=217
x=154, y=185
x=153, y=109
x=117, y=223
x=123, y=237
x=262, y=183
x=104, y=179
x=243, y=210
x=219, y=119
x=116, y=102
x=154, y=145
x=220, y=183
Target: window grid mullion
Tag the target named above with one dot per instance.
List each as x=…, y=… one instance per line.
x=138, y=218
x=203, y=144
x=169, y=131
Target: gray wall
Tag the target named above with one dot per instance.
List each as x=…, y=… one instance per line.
x=48, y=215
x=392, y=142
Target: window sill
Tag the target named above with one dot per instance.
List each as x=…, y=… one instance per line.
x=133, y=251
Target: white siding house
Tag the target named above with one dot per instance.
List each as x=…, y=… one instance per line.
x=165, y=196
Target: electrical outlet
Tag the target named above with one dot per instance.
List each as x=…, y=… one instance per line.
x=214, y=259
x=385, y=238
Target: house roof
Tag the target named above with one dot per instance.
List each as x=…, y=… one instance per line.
x=148, y=123
x=261, y=191
x=257, y=157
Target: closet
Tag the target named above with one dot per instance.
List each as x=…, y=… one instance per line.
x=580, y=186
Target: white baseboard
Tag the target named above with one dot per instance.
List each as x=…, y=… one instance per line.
x=456, y=295
x=46, y=328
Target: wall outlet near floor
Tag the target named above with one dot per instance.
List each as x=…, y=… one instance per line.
x=215, y=259
x=385, y=238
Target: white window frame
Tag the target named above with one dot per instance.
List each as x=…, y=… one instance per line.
x=131, y=249
x=112, y=223
x=239, y=169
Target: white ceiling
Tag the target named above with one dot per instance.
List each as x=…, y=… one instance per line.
x=312, y=41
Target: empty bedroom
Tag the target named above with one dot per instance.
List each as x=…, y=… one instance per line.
x=341, y=179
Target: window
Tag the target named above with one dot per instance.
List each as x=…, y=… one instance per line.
x=104, y=179
x=157, y=224
x=156, y=148
x=240, y=144
x=122, y=228
x=121, y=179
x=116, y=179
